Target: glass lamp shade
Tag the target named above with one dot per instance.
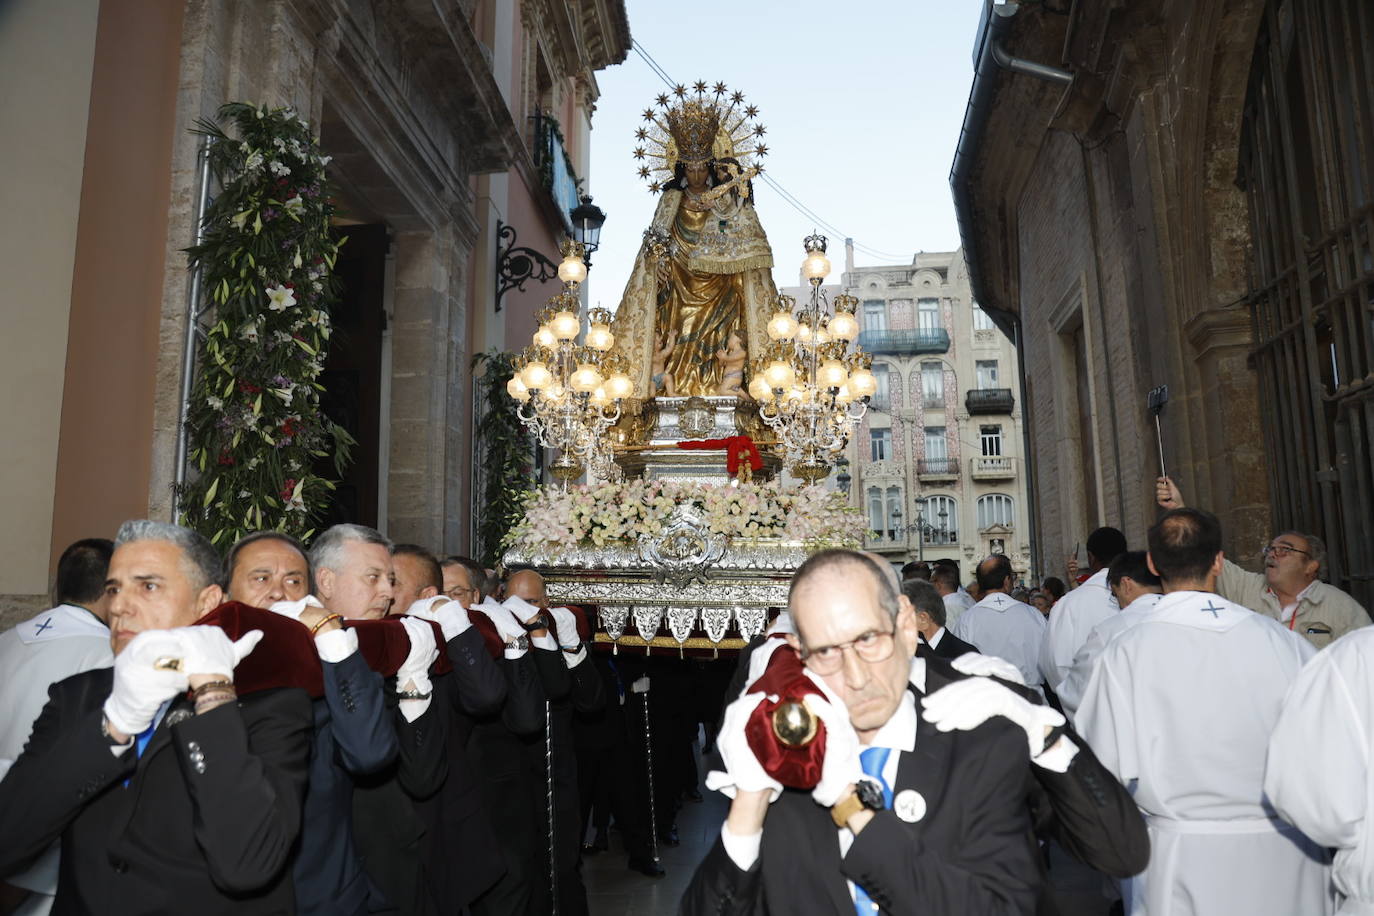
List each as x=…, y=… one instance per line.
x=778, y=374
x=544, y=338
x=782, y=326
x=565, y=325
x=822, y=336
x=816, y=266
x=536, y=375
x=572, y=270
x=862, y=383
x=759, y=389
x=843, y=326
x=804, y=333
x=833, y=374
x=599, y=398
x=619, y=386
x=586, y=379
x=599, y=337
x=556, y=394
x=844, y=395
x=516, y=389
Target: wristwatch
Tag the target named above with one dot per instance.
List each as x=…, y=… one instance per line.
x=521, y=642
x=540, y=622
x=867, y=794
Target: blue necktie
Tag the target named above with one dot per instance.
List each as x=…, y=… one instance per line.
x=872, y=760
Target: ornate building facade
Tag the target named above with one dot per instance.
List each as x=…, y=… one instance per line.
x=1179, y=194
x=443, y=121
x=938, y=462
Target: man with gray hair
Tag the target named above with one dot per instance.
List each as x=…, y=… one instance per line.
x=1290, y=589
x=164, y=803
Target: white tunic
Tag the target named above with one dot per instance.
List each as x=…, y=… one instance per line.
x=1180, y=708
x=56, y=644
x=1070, y=689
x=955, y=605
x=1319, y=775
x=1071, y=620
x=1007, y=628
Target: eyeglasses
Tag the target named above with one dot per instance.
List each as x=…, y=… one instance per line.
x=873, y=646
x=1283, y=550
x=459, y=590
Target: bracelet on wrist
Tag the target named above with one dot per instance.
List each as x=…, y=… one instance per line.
x=105, y=730
x=572, y=650
x=413, y=695
x=211, y=687
x=321, y=624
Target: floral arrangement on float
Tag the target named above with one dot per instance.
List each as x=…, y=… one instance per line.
x=617, y=512
x=256, y=434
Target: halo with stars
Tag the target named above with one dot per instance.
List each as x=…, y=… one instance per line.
x=739, y=135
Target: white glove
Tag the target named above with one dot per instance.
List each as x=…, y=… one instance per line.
x=451, y=617
x=565, y=623
x=139, y=688
x=640, y=685
x=423, y=652
x=506, y=625
x=841, y=767
x=294, y=609
x=967, y=704
x=988, y=666
x=743, y=772
x=524, y=611
x=208, y=650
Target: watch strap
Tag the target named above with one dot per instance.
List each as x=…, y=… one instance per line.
x=846, y=808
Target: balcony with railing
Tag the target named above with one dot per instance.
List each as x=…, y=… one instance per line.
x=880, y=402
x=554, y=165
x=990, y=467
x=989, y=401
x=937, y=469
x=905, y=343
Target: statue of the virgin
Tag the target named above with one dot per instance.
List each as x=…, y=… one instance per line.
x=701, y=293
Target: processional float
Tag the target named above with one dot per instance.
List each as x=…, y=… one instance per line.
x=704, y=415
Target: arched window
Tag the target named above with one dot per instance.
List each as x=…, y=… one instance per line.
x=894, y=511
x=995, y=509
x=942, y=519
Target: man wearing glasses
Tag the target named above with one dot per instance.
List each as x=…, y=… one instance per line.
x=906, y=818
x=1289, y=589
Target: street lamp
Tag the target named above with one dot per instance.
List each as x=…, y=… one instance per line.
x=587, y=220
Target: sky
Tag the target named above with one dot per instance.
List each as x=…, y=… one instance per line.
x=863, y=114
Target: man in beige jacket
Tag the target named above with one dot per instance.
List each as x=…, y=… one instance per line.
x=1288, y=590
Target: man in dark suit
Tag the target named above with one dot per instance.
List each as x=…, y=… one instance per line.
x=930, y=622
x=940, y=826
x=163, y=804
x=353, y=736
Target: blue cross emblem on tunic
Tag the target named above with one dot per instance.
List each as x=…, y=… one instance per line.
x=45, y=625
x=1212, y=610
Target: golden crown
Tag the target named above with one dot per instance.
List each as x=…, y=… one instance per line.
x=694, y=125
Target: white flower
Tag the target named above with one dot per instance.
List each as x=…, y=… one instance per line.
x=279, y=143
x=294, y=206
x=278, y=169
x=253, y=162
x=296, y=261
x=240, y=219
x=214, y=403
x=249, y=332
x=325, y=160
x=280, y=298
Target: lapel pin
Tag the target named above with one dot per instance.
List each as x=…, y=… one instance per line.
x=909, y=805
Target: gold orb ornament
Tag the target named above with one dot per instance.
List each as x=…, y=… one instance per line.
x=793, y=724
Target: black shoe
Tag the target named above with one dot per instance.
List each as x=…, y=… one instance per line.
x=669, y=837
x=646, y=867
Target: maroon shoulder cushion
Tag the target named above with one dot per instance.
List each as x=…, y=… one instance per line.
x=385, y=644
x=285, y=657
x=490, y=635
x=797, y=767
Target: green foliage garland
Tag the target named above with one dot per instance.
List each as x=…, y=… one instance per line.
x=267, y=258
x=506, y=448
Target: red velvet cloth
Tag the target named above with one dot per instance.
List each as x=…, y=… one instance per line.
x=738, y=449
x=496, y=646
x=285, y=656
x=385, y=644
x=795, y=767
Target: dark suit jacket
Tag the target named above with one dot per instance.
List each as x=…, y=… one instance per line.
x=950, y=646
x=354, y=736
x=205, y=825
x=970, y=853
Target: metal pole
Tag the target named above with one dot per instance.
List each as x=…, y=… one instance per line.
x=1159, y=438
x=548, y=801
x=188, y=357
x=649, y=760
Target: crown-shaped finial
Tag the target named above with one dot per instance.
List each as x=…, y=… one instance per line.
x=693, y=125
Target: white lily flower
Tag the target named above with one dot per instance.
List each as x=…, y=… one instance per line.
x=280, y=298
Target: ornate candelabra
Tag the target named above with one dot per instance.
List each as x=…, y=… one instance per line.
x=811, y=385
x=570, y=393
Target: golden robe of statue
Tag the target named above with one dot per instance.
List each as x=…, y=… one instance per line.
x=685, y=299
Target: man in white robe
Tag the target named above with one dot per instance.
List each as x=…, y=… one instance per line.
x=1073, y=617
x=1000, y=625
x=1180, y=708
x=1318, y=774
x=945, y=578
x=1137, y=591
x=66, y=639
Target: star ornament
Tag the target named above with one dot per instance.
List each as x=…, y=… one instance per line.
x=737, y=97
x=760, y=131
x=751, y=111
x=679, y=90
x=648, y=114
x=641, y=134
x=699, y=86
x=655, y=187
x=639, y=152
x=662, y=99
x=643, y=171
x=719, y=88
